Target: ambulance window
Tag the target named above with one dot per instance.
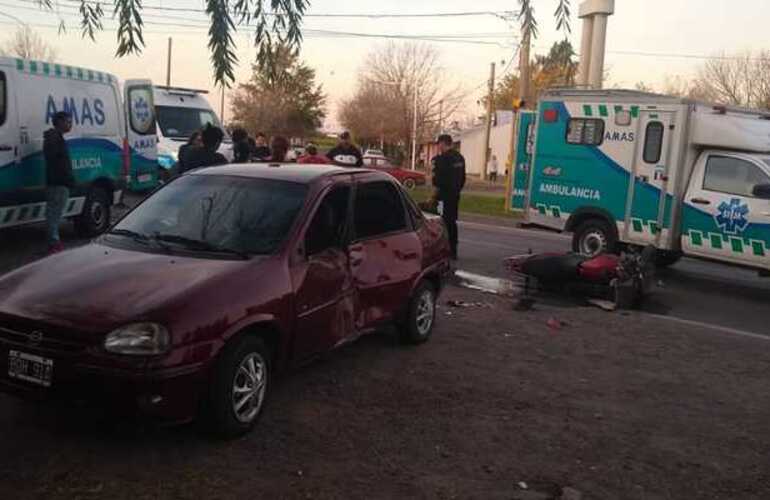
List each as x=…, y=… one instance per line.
x=3, y=98
x=653, y=142
x=588, y=131
x=725, y=174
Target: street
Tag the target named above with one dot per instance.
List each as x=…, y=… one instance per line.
x=691, y=290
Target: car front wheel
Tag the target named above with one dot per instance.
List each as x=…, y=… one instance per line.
x=409, y=184
x=239, y=388
x=421, y=315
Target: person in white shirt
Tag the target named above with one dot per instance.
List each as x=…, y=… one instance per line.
x=492, y=169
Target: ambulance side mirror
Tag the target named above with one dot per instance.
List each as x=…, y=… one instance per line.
x=762, y=191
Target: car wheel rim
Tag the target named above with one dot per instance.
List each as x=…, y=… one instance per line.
x=249, y=384
x=593, y=243
x=97, y=213
x=425, y=310
x=409, y=184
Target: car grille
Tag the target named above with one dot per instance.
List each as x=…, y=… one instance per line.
x=42, y=337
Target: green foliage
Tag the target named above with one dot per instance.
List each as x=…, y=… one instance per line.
x=130, y=39
x=91, y=20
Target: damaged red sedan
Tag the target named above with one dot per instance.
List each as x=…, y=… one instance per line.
x=195, y=299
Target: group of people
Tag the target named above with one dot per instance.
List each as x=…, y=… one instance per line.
x=201, y=150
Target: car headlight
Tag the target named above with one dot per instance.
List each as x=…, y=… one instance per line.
x=166, y=161
x=140, y=339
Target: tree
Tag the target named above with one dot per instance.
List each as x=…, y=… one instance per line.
x=382, y=107
x=556, y=69
x=286, y=101
x=27, y=44
x=277, y=24
x=742, y=80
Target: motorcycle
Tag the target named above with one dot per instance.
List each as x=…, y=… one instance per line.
x=622, y=279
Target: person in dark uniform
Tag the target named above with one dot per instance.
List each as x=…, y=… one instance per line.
x=260, y=150
x=449, y=181
x=206, y=155
x=241, y=147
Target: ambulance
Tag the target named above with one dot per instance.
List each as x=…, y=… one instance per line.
x=112, y=143
x=180, y=112
x=623, y=169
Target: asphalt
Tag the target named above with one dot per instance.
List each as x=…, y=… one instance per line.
x=691, y=290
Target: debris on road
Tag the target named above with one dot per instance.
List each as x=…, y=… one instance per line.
x=524, y=304
x=555, y=324
x=522, y=485
x=463, y=304
x=606, y=305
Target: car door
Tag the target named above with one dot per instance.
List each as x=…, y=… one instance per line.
x=386, y=253
x=325, y=293
x=723, y=219
x=9, y=132
x=645, y=214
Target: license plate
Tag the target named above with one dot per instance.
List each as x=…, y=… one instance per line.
x=144, y=178
x=30, y=368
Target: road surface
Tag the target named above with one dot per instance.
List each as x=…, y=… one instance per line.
x=692, y=290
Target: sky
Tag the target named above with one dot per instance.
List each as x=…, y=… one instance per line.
x=647, y=40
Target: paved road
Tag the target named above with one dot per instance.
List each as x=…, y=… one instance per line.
x=692, y=290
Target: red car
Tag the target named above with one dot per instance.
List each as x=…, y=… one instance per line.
x=225, y=275
x=408, y=178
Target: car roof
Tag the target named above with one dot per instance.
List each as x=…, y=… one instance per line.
x=291, y=172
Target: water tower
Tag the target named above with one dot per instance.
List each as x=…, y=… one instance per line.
x=594, y=14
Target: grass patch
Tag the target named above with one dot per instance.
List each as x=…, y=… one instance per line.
x=473, y=203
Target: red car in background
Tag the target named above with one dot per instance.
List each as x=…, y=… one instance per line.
x=408, y=178
x=194, y=299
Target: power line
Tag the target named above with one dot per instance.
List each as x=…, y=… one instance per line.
x=328, y=15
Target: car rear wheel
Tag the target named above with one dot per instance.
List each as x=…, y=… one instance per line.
x=421, y=315
x=95, y=218
x=409, y=184
x=239, y=387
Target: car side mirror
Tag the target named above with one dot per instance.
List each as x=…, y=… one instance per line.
x=762, y=191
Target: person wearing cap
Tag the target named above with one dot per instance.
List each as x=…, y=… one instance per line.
x=449, y=181
x=345, y=153
x=311, y=156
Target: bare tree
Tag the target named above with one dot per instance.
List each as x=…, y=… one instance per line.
x=28, y=44
x=382, y=107
x=743, y=80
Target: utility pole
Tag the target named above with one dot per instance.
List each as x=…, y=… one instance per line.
x=524, y=67
x=490, y=112
x=222, y=106
x=168, y=64
x=414, y=131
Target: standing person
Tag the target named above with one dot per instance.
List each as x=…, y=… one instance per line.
x=241, y=149
x=449, y=180
x=59, y=177
x=492, y=169
x=195, y=141
x=279, y=147
x=345, y=153
x=311, y=156
x=261, y=151
x=206, y=155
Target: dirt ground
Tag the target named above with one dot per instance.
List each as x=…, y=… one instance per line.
x=612, y=406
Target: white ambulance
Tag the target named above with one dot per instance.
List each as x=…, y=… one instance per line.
x=625, y=168
x=181, y=112
x=113, y=137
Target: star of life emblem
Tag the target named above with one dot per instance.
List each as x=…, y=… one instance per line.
x=731, y=217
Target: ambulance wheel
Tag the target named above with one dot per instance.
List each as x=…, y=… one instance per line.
x=95, y=218
x=594, y=237
x=665, y=258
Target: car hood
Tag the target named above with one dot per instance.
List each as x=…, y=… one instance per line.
x=96, y=286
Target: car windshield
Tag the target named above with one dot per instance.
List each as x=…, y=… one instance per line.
x=182, y=122
x=214, y=213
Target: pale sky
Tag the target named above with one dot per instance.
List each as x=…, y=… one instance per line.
x=673, y=35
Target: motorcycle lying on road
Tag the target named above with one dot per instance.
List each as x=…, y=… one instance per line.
x=623, y=279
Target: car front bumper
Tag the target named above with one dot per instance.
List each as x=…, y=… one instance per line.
x=170, y=395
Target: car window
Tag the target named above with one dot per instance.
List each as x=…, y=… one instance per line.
x=653, y=142
x=730, y=175
x=378, y=210
x=252, y=216
x=415, y=213
x=182, y=122
x=329, y=224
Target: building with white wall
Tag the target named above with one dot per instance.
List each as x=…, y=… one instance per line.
x=472, y=143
